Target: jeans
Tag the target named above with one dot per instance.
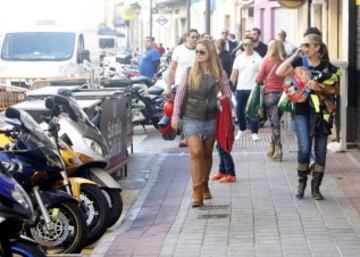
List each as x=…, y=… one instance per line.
x=302, y=124
x=274, y=114
x=226, y=165
x=241, y=99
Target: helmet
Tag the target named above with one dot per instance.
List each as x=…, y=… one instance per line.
x=167, y=132
x=168, y=108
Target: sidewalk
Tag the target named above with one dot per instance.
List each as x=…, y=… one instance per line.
x=256, y=216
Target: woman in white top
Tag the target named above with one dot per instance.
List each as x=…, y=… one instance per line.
x=245, y=68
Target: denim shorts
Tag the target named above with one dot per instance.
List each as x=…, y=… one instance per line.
x=194, y=127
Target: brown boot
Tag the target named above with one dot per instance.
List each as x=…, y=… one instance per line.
x=317, y=177
x=278, y=154
x=206, y=190
x=197, y=196
x=271, y=149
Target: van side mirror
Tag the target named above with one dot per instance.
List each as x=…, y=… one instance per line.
x=84, y=55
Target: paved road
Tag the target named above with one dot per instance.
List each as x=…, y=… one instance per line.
x=256, y=216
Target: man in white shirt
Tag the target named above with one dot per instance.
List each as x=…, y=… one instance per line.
x=182, y=58
x=245, y=68
x=289, y=48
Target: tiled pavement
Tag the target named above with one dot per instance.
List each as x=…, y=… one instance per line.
x=256, y=216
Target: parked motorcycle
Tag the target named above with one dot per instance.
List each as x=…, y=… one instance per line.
x=15, y=209
x=93, y=202
x=90, y=147
x=60, y=226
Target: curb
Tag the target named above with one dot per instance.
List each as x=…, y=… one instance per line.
x=105, y=242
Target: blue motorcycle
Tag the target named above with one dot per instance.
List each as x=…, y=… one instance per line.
x=60, y=226
x=15, y=210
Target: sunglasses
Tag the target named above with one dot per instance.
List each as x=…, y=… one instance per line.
x=200, y=52
x=306, y=45
x=247, y=44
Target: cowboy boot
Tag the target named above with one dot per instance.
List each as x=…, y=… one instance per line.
x=197, y=195
x=278, y=154
x=303, y=172
x=302, y=184
x=271, y=148
x=317, y=177
x=206, y=190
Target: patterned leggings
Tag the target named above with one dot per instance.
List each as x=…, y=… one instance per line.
x=274, y=114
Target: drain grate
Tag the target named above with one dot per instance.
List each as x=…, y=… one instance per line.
x=215, y=207
x=212, y=216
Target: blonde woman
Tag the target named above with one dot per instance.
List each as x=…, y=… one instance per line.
x=273, y=87
x=196, y=103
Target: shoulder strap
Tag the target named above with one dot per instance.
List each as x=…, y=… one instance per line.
x=271, y=71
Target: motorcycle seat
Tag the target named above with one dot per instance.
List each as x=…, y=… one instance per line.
x=155, y=90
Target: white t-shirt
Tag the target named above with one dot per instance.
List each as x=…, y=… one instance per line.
x=184, y=57
x=248, y=67
x=289, y=48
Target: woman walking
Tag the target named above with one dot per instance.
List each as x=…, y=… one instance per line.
x=196, y=103
x=224, y=56
x=226, y=172
x=273, y=87
x=313, y=114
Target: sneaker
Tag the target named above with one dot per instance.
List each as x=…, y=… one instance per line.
x=255, y=137
x=183, y=143
x=218, y=176
x=228, y=179
x=239, y=134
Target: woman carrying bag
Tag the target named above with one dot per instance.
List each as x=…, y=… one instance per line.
x=196, y=103
x=314, y=108
x=273, y=88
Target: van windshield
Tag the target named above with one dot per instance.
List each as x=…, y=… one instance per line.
x=38, y=46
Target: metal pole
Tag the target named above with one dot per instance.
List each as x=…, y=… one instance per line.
x=207, y=16
x=188, y=10
x=309, y=13
x=151, y=19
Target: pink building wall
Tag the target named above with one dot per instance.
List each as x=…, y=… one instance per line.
x=264, y=18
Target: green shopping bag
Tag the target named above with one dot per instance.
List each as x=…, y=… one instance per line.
x=254, y=106
x=284, y=103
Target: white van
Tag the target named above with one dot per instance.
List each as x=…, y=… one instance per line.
x=41, y=52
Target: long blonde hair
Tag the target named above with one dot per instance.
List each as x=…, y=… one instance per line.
x=276, y=50
x=196, y=74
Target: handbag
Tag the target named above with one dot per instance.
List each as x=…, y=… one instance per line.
x=284, y=103
x=255, y=104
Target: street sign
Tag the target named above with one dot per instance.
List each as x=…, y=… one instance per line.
x=291, y=3
x=162, y=20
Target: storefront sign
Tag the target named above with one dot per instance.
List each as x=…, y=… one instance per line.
x=291, y=3
x=162, y=20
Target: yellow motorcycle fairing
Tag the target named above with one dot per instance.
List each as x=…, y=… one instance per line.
x=75, y=184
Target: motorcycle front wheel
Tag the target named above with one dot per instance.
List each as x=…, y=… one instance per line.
x=20, y=248
x=115, y=202
x=26, y=249
x=68, y=232
x=96, y=210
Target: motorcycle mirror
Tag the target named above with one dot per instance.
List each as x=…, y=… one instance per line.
x=64, y=92
x=12, y=113
x=50, y=103
x=58, y=99
x=66, y=139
